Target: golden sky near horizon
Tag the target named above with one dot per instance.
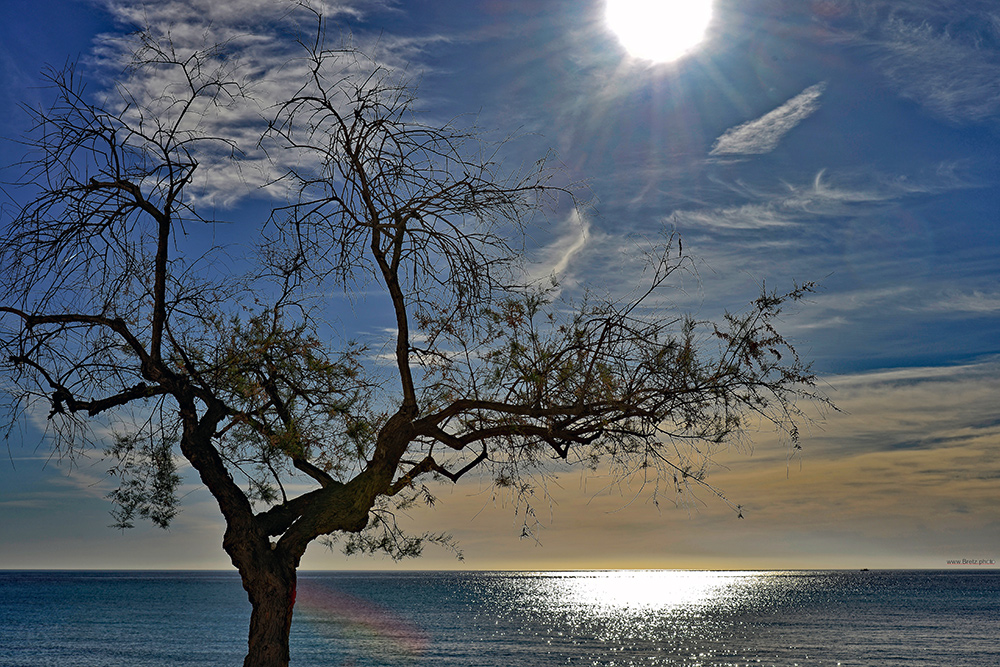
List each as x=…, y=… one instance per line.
x=898, y=479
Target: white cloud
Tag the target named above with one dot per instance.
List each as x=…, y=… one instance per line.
x=763, y=134
x=940, y=54
x=748, y=216
x=975, y=302
x=950, y=75
x=954, y=302
x=795, y=204
x=819, y=227
x=864, y=299
x=218, y=18
x=253, y=42
x=553, y=261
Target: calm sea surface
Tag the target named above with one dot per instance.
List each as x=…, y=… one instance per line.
x=504, y=619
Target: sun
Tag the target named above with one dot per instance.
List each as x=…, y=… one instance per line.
x=659, y=30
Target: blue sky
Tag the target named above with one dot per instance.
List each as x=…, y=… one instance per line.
x=850, y=142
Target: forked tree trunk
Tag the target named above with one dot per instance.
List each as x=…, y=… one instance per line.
x=268, y=574
x=268, y=569
x=272, y=597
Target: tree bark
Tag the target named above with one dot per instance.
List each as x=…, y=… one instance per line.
x=272, y=596
x=268, y=569
x=267, y=572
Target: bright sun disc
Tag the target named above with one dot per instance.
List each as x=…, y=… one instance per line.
x=659, y=30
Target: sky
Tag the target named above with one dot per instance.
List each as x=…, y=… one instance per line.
x=855, y=143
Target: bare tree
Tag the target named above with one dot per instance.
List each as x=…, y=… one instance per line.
x=114, y=320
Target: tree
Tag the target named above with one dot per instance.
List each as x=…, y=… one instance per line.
x=117, y=320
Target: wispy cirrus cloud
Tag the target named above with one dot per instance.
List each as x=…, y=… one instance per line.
x=843, y=228
x=942, y=55
x=762, y=135
x=953, y=78
x=554, y=260
x=975, y=302
x=253, y=45
x=821, y=198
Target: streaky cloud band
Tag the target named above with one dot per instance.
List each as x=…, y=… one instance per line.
x=762, y=135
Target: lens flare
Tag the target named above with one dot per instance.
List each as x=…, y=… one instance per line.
x=339, y=615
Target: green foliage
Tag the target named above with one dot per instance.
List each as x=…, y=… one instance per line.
x=148, y=479
x=383, y=536
x=291, y=400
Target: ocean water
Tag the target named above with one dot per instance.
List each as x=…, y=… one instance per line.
x=507, y=619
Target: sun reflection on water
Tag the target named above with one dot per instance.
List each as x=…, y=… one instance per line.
x=645, y=590
x=661, y=615
x=630, y=591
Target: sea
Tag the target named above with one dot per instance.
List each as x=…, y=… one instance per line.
x=506, y=619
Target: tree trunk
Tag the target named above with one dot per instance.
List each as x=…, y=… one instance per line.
x=267, y=572
x=272, y=596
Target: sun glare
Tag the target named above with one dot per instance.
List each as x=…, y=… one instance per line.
x=659, y=30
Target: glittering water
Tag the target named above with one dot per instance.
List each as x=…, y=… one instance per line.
x=497, y=619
